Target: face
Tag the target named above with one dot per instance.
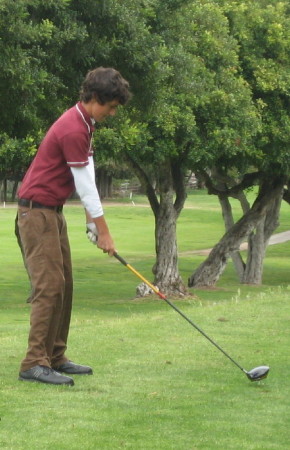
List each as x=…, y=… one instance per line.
x=101, y=112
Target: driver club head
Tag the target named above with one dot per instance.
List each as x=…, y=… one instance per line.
x=258, y=373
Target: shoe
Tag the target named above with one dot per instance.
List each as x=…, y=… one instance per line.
x=44, y=374
x=74, y=369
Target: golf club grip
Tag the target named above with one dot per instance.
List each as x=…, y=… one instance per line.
x=119, y=258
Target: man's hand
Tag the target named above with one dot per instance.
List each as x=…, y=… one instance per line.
x=98, y=233
x=106, y=243
x=92, y=233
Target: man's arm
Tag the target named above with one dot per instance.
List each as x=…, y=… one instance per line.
x=88, y=193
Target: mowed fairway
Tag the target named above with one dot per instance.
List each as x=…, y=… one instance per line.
x=157, y=383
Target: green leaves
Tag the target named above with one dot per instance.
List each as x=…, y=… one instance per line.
x=210, y=78
x=266, y=66
x=15, y=156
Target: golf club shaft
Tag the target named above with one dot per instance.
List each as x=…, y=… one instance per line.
x=156, y=290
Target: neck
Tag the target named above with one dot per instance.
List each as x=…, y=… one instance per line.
x=87, y=107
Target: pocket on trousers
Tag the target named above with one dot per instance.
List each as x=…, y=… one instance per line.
x=32, y=226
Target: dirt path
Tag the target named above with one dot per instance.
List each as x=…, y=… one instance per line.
x=277, y=238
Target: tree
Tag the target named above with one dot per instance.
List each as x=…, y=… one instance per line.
x=203, y=101
x=15, y=156
x=262, y=31
x=256, y=218
x=194, y=108
x=39, y=42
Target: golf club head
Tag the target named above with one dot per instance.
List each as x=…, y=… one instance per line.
x=258, y=373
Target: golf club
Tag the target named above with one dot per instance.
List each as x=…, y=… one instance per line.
x=256, y=374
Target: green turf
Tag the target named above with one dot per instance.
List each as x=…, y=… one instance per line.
x=157, y=383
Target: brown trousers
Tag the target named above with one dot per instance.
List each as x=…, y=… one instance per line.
x=46, y=250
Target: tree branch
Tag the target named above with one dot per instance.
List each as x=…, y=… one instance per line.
x=286, y=196
x=179, y=186
x=249, y=180
x=145, y=182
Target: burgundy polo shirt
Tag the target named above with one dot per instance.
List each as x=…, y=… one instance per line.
x=67, y=144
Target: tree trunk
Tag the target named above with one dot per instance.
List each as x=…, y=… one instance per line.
x=256, y=253
x=166, y=271
x=258, y=242
x=104, y=183
x=14, y=190
x=4, y=187
x=229, y=222
x=210, y=270
x=171, y=182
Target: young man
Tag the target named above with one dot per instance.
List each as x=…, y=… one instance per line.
x=63, y=163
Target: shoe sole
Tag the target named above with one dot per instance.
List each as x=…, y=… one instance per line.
x=31, y=380
x=74, y=373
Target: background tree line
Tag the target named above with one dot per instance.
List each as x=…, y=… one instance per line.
x=210, y=83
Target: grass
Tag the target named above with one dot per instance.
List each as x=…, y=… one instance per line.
x=157, y=383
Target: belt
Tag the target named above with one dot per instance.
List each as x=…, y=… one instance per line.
x=31, y=204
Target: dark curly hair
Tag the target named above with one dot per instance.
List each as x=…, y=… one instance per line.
x=105, y=85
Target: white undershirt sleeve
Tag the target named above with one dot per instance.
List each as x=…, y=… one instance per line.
x=91, y=167
x=84, y=179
